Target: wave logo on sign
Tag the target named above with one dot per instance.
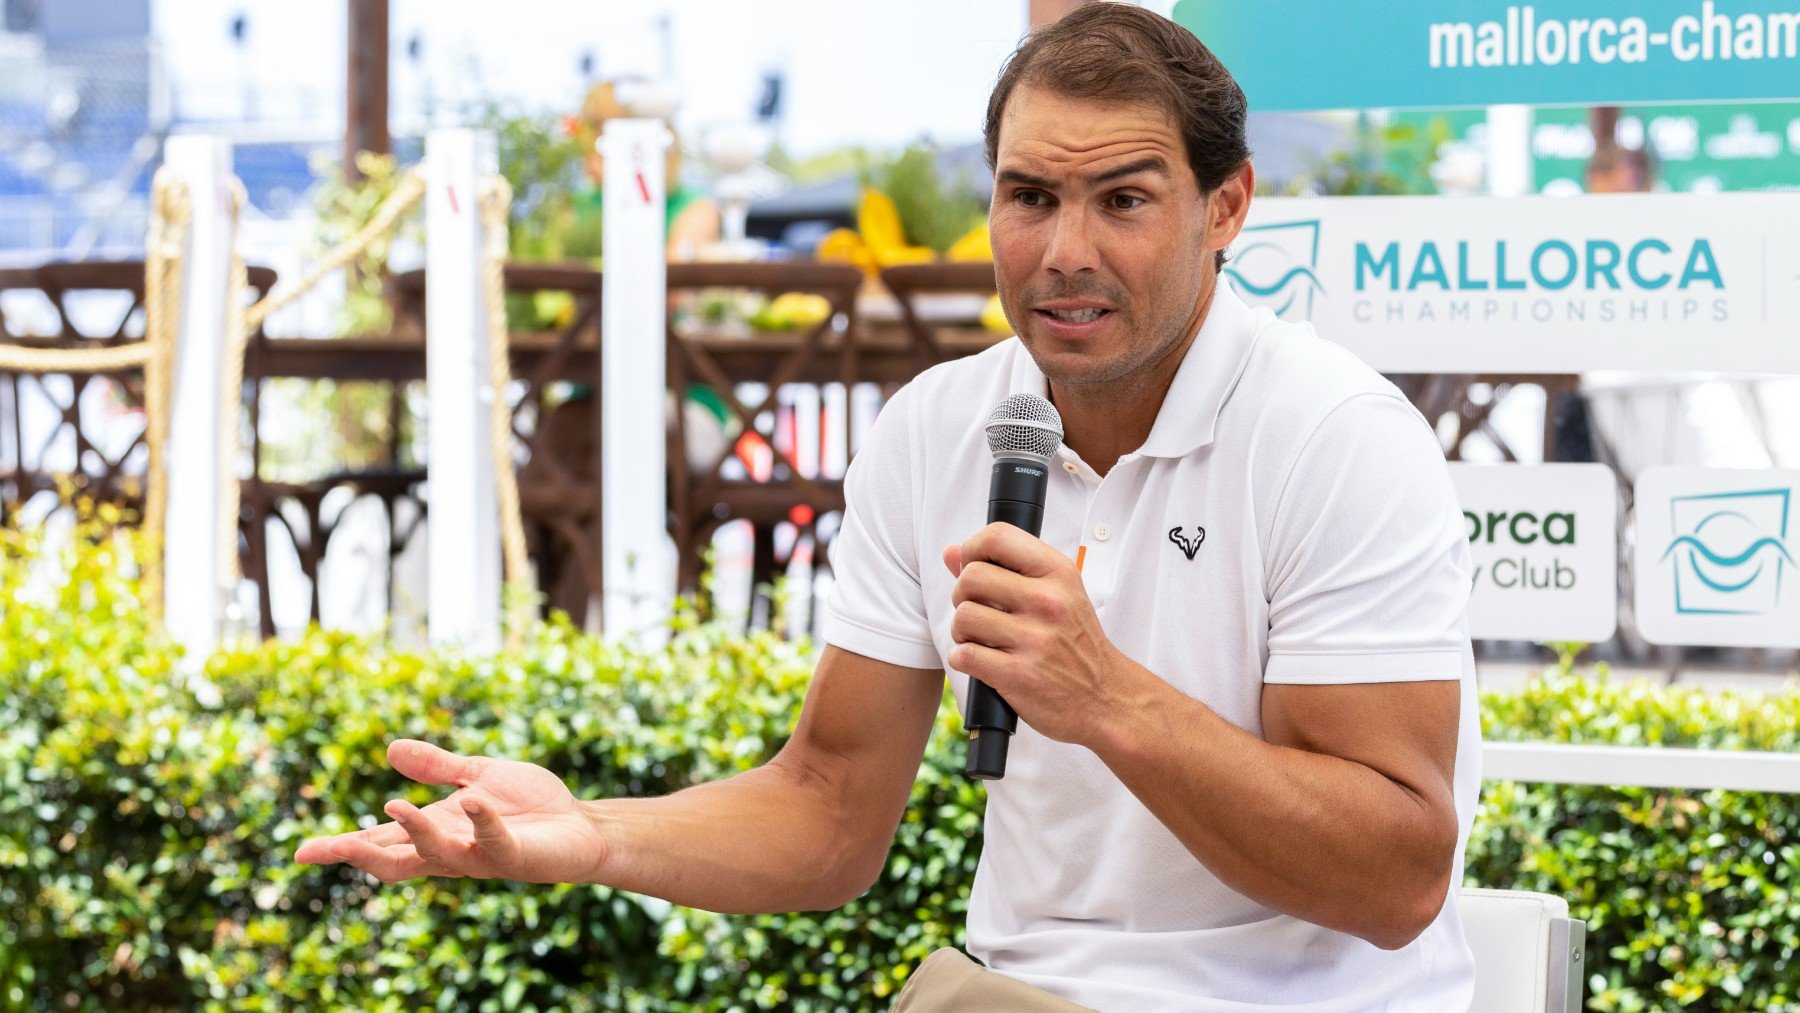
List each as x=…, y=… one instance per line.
x=1277, y=267
x=1729, y=551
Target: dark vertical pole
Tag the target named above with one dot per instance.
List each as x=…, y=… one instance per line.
x=1603, y=122
x=366, y=91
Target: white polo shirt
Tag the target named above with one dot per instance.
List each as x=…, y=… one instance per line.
x=1333, y=552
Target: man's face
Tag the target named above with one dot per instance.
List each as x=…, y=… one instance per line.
x=1099, y=232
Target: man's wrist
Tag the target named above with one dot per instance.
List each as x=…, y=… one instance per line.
x=604, y=867
x=1137, y=702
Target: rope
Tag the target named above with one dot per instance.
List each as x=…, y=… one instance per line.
x=24, y=359
x=164, y=264
x=496, y=199
x=398, y=203
x=171, y=214
x=242, y=322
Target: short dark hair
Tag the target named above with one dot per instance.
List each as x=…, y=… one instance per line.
x=1118, y=51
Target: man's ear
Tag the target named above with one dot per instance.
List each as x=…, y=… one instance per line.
x=1227, y=207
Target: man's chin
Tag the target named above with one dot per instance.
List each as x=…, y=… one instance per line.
x=1077, y=366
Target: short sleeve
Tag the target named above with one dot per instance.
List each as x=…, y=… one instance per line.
x=877, y=605
x=1368, y=568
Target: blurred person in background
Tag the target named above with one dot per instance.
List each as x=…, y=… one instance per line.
x=1613, y=168
x=1618, y=169
x=693, y=220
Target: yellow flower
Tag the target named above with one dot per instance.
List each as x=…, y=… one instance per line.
x=802, y=309
x=879, y=242
x=879, y=220
x=993, y=317
x=976, y=245
x=842, y=246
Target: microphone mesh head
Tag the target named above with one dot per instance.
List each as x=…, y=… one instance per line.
x=1024, y=425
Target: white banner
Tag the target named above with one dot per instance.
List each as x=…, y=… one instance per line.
x=1535, y=284
x=1544, y=543
x=1715, y=557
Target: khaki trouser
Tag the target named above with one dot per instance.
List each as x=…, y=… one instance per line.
x=949, y=982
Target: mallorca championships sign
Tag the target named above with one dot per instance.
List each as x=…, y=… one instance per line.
x=1328, y=54
x=1534, y=284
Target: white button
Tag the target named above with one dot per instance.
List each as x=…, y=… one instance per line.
x=1069, y=466
x=1102, y=532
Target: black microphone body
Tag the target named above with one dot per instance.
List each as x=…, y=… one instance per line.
x=1015, y=496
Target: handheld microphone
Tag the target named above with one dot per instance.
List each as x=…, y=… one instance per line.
x=1023, y=433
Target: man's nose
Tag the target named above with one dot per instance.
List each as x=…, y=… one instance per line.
x=1071, y=248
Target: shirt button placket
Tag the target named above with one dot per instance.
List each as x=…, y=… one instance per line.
x=1101, y=564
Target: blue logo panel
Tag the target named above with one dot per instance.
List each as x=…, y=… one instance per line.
x=1729, y=551
x=1276, y=265
x=1328, y=54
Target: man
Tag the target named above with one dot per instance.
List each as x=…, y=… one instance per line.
x=1247, y=758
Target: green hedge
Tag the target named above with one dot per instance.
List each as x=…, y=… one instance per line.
x=148, y=819
x=1692, y=898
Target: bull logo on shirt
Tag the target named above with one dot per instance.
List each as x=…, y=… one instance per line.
x=1188, y=545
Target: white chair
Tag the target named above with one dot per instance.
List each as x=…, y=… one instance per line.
x=1528, y=951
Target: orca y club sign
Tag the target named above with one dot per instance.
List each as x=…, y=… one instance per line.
x=1534, y=284
x=1329, y=54
x=1543, y=548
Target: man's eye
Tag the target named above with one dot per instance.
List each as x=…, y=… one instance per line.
x=1124, y=201
x=1030, y=198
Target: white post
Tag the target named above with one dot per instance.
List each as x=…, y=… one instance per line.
x=1509, y=162
x=463, y=530
x=637, y=581
x=195, y=594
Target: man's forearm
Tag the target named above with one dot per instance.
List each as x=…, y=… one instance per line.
x=1318, y=837
x=766, y=840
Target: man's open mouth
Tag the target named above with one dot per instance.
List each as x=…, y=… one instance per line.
x=1081, y=316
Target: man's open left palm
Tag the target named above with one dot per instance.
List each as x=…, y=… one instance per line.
x=507, y=819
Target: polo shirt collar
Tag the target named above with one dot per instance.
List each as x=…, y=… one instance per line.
x=1204, y=380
